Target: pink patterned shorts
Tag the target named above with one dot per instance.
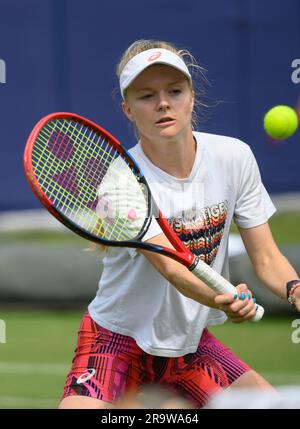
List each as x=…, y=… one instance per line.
x=107, y=365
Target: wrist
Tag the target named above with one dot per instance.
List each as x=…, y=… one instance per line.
x=291, y=287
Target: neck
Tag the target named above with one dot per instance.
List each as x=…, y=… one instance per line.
x=175, y=157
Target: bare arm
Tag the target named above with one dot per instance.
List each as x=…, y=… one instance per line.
x=178, y=275
x=190, y=286
x=270, y=265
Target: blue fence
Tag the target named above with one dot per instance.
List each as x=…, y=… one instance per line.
x=60, y=55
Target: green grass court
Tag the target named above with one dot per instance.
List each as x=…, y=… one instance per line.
x=36, y=358
x=285, y=228
x=37, y=355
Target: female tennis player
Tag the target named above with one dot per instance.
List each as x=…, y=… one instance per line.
x=149, y=322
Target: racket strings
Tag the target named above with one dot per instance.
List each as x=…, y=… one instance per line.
x=71, y=163
x=62, y=174
x=84, y=218
x=47, y=137
x=114, y=232
x=73, y=175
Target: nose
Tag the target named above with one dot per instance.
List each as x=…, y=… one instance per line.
x=163, y=102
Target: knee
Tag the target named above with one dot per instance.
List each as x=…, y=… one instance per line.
x=83, y=402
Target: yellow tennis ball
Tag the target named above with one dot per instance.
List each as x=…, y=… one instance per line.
x=281, y=122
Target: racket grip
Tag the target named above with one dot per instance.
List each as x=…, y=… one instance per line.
x=220, y=285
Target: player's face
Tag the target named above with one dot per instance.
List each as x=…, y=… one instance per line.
x=160, y=102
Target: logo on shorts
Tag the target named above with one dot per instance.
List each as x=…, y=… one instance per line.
x=86, y=376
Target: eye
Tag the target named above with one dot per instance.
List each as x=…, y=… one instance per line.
x=146, y=96
x=176, y=91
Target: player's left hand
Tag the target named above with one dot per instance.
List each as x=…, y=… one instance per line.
x=239, y=308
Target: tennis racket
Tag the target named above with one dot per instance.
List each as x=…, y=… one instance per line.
x=90, y=183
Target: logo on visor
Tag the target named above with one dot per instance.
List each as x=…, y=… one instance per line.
x=154, y=56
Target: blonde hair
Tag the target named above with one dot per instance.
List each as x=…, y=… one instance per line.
x=198, y=72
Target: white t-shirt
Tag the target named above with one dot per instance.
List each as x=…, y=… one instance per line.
x=133, y=298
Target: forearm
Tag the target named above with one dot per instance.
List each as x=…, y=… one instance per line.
x=190, y=286
x=182, y=279
x=274, y=271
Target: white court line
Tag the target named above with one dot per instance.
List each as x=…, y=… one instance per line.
x=60, y=369
x=25, y=368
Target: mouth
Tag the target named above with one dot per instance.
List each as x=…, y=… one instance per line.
x=166, y=120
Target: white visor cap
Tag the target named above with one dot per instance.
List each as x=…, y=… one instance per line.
x=144, y=59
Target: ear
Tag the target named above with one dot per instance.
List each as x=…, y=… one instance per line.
x=127, y=111
x=193, y=98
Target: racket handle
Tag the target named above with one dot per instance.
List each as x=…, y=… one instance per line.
x=220, y=285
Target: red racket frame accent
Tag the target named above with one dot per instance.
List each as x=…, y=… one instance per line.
x=27, y=158
x=186, y=256
x=180, y=254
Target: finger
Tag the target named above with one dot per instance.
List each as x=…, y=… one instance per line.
x=234, y=308
x=247, y=312
x=238, y=305
x=231, y=307
x=228, y=312
x=239, y=308
x=242, y=287
x=237, y=320
x=249, y=316
x=227, y=298
x=241, y=319
x=243, y=292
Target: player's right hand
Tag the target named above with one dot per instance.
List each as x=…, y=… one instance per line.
x=238, y=308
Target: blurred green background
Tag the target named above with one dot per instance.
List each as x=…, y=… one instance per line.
x=40, y=344
x=39, y=347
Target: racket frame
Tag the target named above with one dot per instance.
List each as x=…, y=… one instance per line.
x=180, y=252
x=184, y=256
